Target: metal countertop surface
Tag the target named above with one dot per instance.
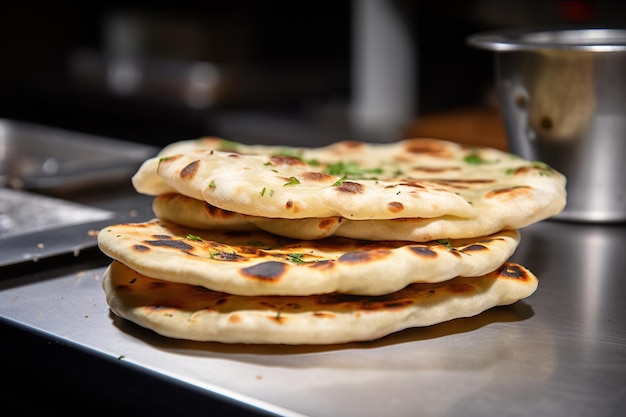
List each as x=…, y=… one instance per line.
x=560, y=352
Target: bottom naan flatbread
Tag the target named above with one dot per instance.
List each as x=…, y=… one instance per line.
x=191, y=312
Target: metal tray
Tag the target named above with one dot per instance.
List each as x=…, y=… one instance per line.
x=58, y=187
x=41, y=158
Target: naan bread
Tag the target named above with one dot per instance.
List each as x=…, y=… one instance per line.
x=194, y=213
x=258, y=263
x=416, y=178
x=191, y=312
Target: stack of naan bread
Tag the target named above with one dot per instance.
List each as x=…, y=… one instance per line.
x=346, y=242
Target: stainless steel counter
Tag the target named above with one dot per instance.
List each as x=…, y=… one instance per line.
x=561, y=352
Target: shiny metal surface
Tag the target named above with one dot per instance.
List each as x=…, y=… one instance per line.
x=561, y=352
x=43, y=158
x=591, y=40
x=563, y=99
x=84, y=177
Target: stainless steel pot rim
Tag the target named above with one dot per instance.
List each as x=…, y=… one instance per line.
x=574, y=39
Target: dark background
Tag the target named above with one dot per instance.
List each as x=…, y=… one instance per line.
x=290, y=61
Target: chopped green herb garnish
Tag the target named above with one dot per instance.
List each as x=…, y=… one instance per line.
x=262, y=192
x=292, y=181
x=194, y=237
x=228, y=145
x=511, y=171
x=271, y=193
x=351, y=170
x=474, y=159
x=446, y=243
x=292, y=153
x=339, y=181
x=296, y=258
x=212, y=184
x=165, y=158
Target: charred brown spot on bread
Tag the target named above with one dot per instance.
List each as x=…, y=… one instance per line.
x=514, y=271
x=316, y=176
x=268, y=304
x=278, y=318
x=234, y=318
x=433, y=170
x=227, y=256
x=124, y=287
x=168, y=197
x=369, y=303
x=423, y=251
x=323, y=315
x=523, y=170
x=351, y=144
x=155, y=284
x=427, y=146
x=141, y=248
x=251, y=251
x=162, y=237
x=350, y=187
x=407, y=184
x=190, y=170
x=265, y=271
x=519, y=190
x=395, y=206
x=327, y=223
x=289, y=204
x=326, y=264
x=216, y=212
x=397, y=304
x=474, y=248
x=460, y=287
x=170, y=243
x=286, y=160
x=363, y=256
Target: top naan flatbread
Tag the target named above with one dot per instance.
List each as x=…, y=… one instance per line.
x=414, y=178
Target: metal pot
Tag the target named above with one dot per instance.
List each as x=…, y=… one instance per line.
x=562, y=94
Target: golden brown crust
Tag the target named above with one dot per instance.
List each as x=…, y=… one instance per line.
x=259, y=263
x=192, y=312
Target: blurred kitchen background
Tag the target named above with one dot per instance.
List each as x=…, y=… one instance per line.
x=283, y=72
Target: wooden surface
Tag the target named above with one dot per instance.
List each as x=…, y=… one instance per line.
x=471, y=126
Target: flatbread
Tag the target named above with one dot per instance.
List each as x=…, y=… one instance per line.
x=259, y=263
x=191, y=312
x=195, y=213
x=414, y=178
